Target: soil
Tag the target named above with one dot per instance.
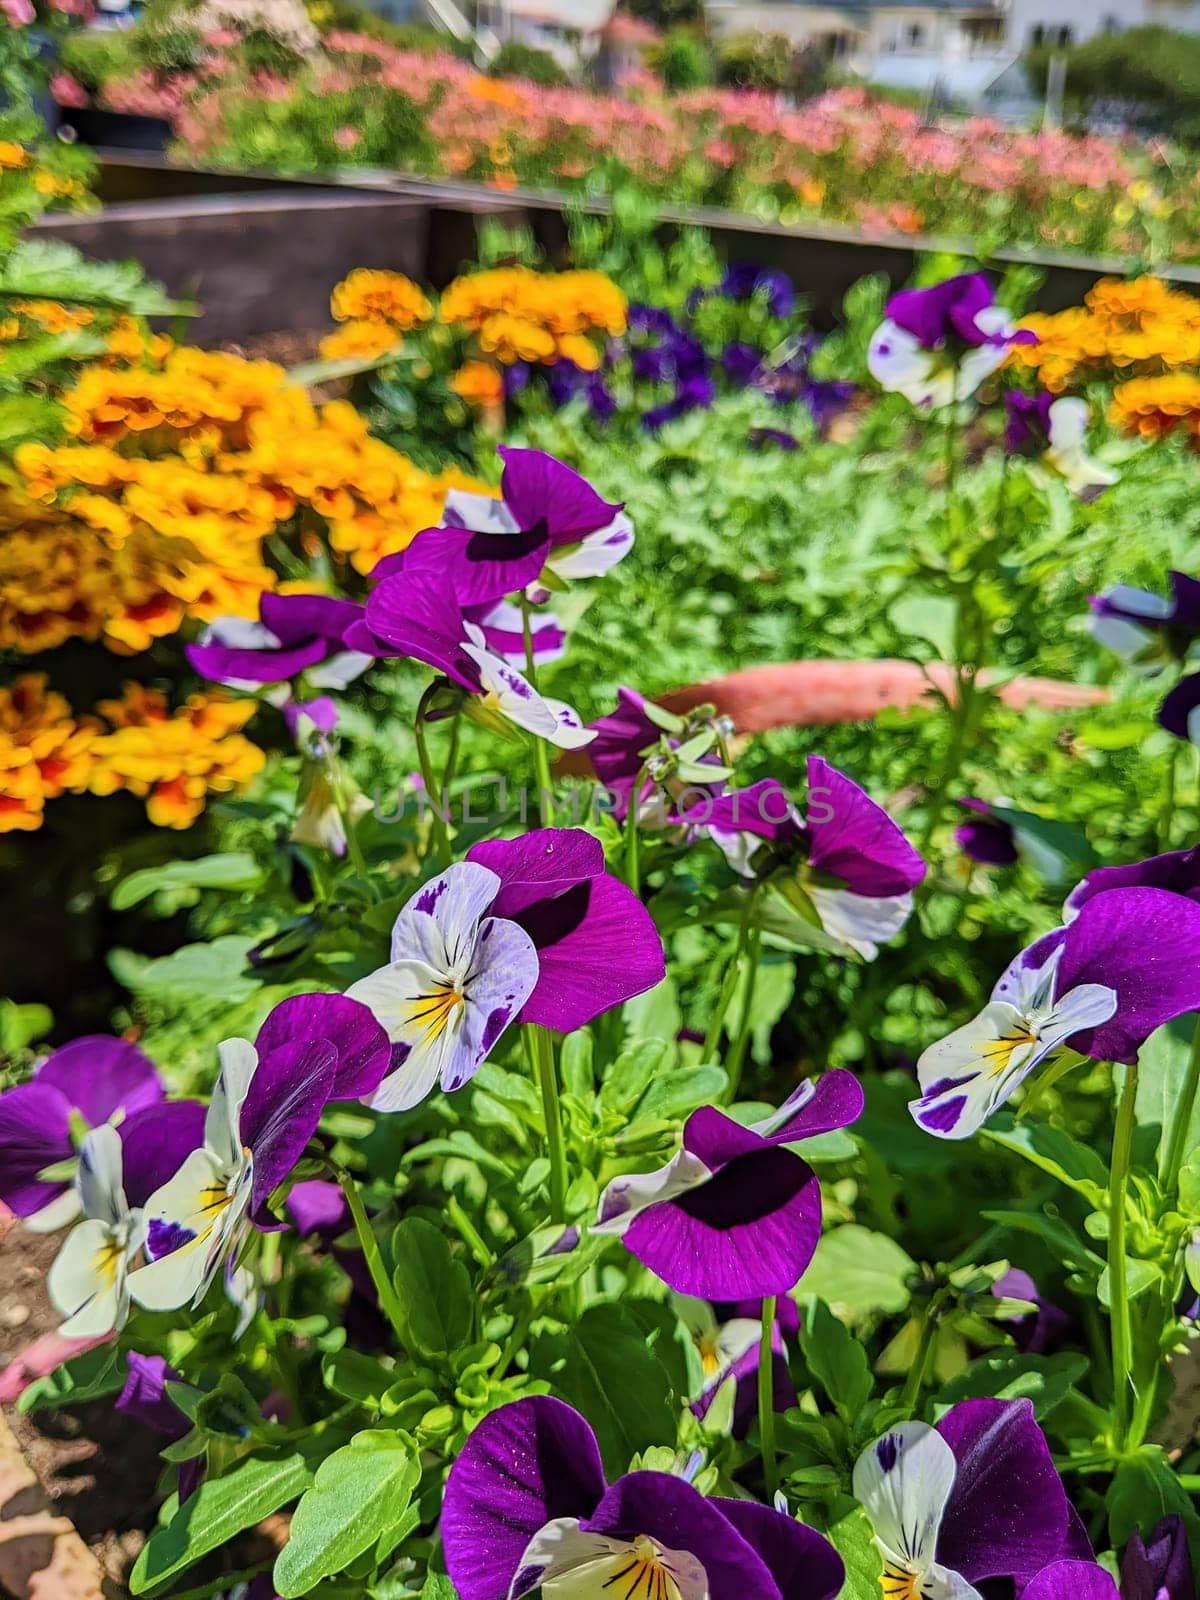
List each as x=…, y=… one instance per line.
x=96, y=1467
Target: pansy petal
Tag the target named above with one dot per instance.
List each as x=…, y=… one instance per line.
x=751, y=1230
x=1007, y=1515
x=222, y=1125
x=485, y=513
x=417, y=617
x=99, y=1176
x=1072, y=1580
x=537, y=865
x=595, y=554
x=156, y=1142
x=862, y=922
x=628, y=1195
x=483, y=565
x=854, y=838
x=508, y=690
x=293, y=617
x=35, y=1134
x=1143, y=943
x=363, y=1052
x=968, y=1074
x=501, y=979
x=571, y=733
x=85, y=1281
x=834, y=1100
x=1177, y=870
x=903, y=1482
x=896, y=359
x=537, y=487
x=675, y=1516
x=526, y=1464
x=287, y=1095
x=804, y=1565
x=436, y=922
x=99, y=1076
x=220, y=664
x=144, y=1397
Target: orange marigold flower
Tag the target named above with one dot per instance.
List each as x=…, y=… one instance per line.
x=360, y=341
x=479, y=384
x=1154, y=407
x=44, y=751
x=389, y=297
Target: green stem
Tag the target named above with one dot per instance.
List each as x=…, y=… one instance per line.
x=1166, y=822
x=357, y=859
x=451, y=766
x=539, y=1047
x=527, y=635
x=737, y=1053
x=1181, y=1121
x=441, y=839
x=540, y=754
x=911, y=1393
x=633, y=871
x=1118, y=1286
x=712, y=1038
x=469, y=1233
x=388, y=1299
x=766, y=1399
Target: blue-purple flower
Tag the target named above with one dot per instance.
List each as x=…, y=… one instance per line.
x=972, y=1501
x=734, y=1215
x=937, y=345
x=1144, y=628
x=527, y=1506
x=1158, y=1567
x=728, y=1336
x=1054, y=430
x=296, y=633
x=91, y=1081
x=1034, y=1332
x=1128, y=962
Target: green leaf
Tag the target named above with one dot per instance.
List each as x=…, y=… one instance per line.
x=47, y=269
x=854, y=1540
x=1143, y=1491
x=20, y=1025
x=835, y=1358
x=219, y=1510
x=434, y=1289
x=438, y=1587
x=1058, y=1236
x=577, y=1064
x=1055, y=1152
x=213, y=971
x=930, y=618
x=1162, y=1068
x=620, y=1385
x=1044, y=1380
x=359, y=1492
x=632, y=1072
x=859, y=1271
x=232, y=870
x=677, y=1094
x=1139, y=1276
x=88, y=1377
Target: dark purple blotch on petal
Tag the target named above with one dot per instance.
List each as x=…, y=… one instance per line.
x=1160, y=1564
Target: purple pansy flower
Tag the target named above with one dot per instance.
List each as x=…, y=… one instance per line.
x=1142, y=627
x=617, y=752
x=1034, y=1332
x=758, y=437
x=937, y=345
x=730, y=1344
x=1072, y=1580
x=296, y=633
x=973, y=1500
x=503, y=629
x=735, y=1215
x=743, y=279
x=88, y=1082
x=88, y=1280
x=144, y=1399
x=264, y=1109
x=596, y=943
x=741, y=361
x=527, y=1505
x=457, y=977
x=1054, y=430
x=1160, y=1567
x=548, y=518
x=1127, y=964
x=1177, y=870
x=985, y=837
x=847, y=862
x=1178, y=712
x=411, y=613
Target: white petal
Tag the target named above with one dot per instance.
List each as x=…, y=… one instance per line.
x=898, y=361
x=192, y=1219
x=339, y=670
x=60, y=1213
x=1124, y=639
x=99, y=1175
x=241, y=1288
x=736, y=1339
x=627, y=1196
x=86, y=1281
x=590, y=1566
x=1068, y=423
x=571, y=733
x=440, y=923
x=222, y=1124
x=978, y=364
x=1026, y=987
x=596, y=553
x=965, y=1076
x=739, y=849
x=482, y=513
x=903, y=1482
x=511, y=694
x=422, y=1009
x=862, y=922
x=1139, y=602
x=799, y=1097
x=240, y=633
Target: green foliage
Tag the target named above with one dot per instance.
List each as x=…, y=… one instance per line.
x=516, y=59
x=1153, y=73
x=682, y=60
x=757, y=61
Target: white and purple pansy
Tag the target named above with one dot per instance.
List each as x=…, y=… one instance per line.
x=937, y=345
x=1128, y=962
x=414, y=614
x=533, y=927
x=728, y=1336
x=502, y=625
x=456, y=979
x=1075, y=1580
x=84, y=1084
x=974, y=1501
x=548, y=519
x=296, y=633
x=527, y=1507
x=1144, y=628
x=265, y=1107
x=734, y=1215
x=596, y=943
x=844, y=861
x=1053, y=429
x=1177, y=871
x=88, y=1281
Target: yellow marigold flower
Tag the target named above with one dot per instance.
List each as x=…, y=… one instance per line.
x=574, y=347
x=479, y=384
x=359, y=341
x=511, y=338
x=53, y=316
x=1154, y=407
x=13, y=154
x=44, y=751
x=497, y=92
x=10, y=328
x=389, y=297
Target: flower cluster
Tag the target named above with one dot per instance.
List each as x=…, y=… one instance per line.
x=376, y=309
x=1135, y=329
x=173, y=760
x=1152, y=408
x=517, y=314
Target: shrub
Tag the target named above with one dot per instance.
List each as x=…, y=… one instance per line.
x=756, y=61
x=515, y=59
x=683, y=61
x=1152, y=75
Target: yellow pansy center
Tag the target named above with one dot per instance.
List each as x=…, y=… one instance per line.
x=899, y=1584
x=998, y=1054
x=433, y=1011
